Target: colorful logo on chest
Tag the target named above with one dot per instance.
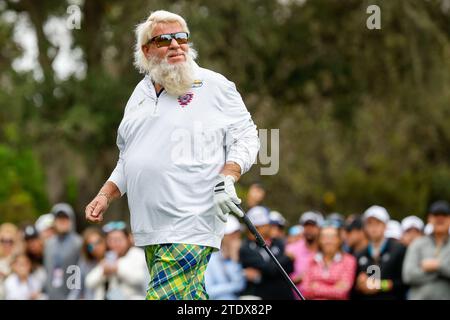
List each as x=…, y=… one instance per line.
x=186, y=99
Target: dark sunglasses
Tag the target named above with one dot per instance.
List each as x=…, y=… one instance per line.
x=164, y=40
x=7, y=241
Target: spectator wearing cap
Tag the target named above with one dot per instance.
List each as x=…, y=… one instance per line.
x=336, y=218
x=264, y=280
x=34, y=249
x=21, y=284
x=393, y=230
x=10, y=244
x=412, y=229
x=44, y=226
x=295, y=233
x=278, y=225
x=427, y=264
x=61, y=251
x=355, y=237
x=123, y=271
x=339, y=220
x=255, y=195
x=224, y=277
x=386, y=253
x=304, y=249
x=331, y=271
x=92, y=253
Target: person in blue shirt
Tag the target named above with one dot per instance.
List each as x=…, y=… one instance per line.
x=224, y=278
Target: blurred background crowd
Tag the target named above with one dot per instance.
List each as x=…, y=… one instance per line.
x=365, y=255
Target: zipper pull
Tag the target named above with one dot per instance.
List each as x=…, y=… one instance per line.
x=156, y=106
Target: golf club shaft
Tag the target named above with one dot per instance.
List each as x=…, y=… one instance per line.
x=260, y=242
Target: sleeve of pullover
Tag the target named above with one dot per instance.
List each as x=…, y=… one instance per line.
x=412, y=272
x=118, y=175
x=242, y=142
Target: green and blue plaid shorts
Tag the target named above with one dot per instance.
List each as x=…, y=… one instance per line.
x=177, y=271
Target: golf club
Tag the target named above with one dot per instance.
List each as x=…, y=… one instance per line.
x=261, y=243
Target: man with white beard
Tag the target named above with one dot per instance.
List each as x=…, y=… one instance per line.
x=186, y=137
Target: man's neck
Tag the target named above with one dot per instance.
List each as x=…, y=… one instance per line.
x=377, y=243
x=440, y=238
x=158, y=88
x=361, y=245
x=313, y=246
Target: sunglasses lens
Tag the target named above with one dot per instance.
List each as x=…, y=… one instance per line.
x=181, y=37
x=163, y=40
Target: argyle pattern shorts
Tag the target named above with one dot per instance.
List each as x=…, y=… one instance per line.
x=177, y=271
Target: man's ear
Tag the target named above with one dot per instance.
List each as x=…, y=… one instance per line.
x=145, y=49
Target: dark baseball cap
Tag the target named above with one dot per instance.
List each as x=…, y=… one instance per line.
x=337, y=218
x=61, y=214
x=355, y=224
x=439, y=207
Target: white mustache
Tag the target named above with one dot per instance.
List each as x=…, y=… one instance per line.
x=174, y=54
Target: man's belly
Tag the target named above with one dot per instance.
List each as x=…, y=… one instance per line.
x=166, y=192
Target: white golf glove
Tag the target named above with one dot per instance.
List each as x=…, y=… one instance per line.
x=225, y=198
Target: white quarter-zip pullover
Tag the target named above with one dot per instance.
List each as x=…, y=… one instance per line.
x=171, y=151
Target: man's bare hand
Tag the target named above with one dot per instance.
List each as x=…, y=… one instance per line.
x=363, y=286
x=96, y=208
x=430, y=265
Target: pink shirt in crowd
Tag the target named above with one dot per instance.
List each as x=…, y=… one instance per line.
x=302, y=256
x=332, y=283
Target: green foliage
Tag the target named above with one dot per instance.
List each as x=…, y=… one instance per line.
x=22, y=191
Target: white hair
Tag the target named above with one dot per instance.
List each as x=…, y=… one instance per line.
x=143, y=35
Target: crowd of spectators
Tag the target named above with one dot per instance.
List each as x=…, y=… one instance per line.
x=360, y=256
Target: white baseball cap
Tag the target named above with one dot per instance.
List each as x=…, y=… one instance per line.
x=232, y=225
x=393, y=230
x=311, y=216
x=259, y=216
x=412, y=222
x=277, y=218
x=44, y=222
x=428, y=229
x=377, y=212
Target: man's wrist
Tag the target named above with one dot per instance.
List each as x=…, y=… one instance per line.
x=232, y=169
x=106, y=195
